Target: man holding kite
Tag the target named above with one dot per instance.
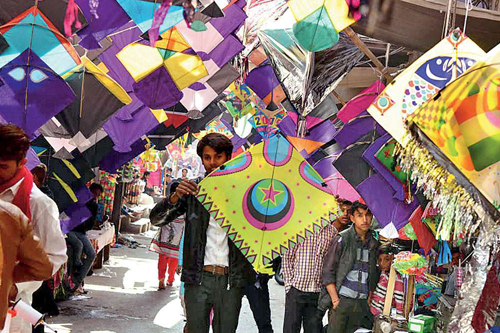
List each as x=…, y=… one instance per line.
x=214, y=269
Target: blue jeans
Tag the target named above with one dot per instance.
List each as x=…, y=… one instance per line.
x=89, y=251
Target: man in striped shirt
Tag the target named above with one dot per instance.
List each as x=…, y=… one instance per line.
x=350, y=273
x=302, y=274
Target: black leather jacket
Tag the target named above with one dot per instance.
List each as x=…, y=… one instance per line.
x=241, y=272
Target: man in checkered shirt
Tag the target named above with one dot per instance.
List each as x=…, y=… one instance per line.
x=302, y=274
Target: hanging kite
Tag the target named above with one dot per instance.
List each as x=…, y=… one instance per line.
x=419, y=83
x=108, y=17
x=98, y=98
x=53, y=10
x=319, y=22
x=268, y=199
x=33, y=30
x=463, y=123
x=267, y=126
x=31, y=92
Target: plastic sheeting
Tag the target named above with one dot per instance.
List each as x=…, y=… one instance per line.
x=291, y=63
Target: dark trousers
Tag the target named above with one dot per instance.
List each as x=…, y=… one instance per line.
x=43, y=301
x=258, y=298
x=212, y=294
x=301, y=310
x=350, y=315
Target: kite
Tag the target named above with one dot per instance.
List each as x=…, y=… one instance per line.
x=360, y=102
x=380, y=156
x=294, y=66
x=129, y=124
x=33, y=30
x=267, y=126
x=31, y=93
x=268, y=199
x=379, y=197
x=142, y=13
x=419, y=83
x=463, y=123
x=98, y=98
x=109, y=17
x=53, y=10
x=65, y=176
x=319, y=22
x=314, y=139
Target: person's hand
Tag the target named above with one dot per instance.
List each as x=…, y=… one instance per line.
x=178, y=270
x=335, y=303
x=186, y=187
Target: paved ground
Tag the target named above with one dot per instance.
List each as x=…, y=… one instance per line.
x=123, y=298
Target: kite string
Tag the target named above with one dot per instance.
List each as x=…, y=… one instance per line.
x=468, y=7
x=267, y=207
x=28, y=65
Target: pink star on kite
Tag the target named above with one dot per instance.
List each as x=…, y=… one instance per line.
x=270, y=194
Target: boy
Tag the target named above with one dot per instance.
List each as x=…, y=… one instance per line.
x=384, y=262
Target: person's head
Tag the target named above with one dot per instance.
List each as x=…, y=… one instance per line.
x=361, y=216
x=169, y=170
x=146, y=175
x=455, y=256
x=96, y=190
x=184, y=173
x=39, y=173
x=13, y=148
x=168, y=178
x=214, y=149
x=345, y=207
x=385, y=257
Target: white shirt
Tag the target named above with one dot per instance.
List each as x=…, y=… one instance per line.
x=217, y=248
x=46, y=227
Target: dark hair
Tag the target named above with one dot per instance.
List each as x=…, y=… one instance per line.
x=40, y=171
x=173, y=187
x=356, y=205
x=386, y=249
x=344, y=202
x=455, y=250
x=96, y=186
x=15, y=142
x=184, y=169
x=220, y=143
x=146, y=173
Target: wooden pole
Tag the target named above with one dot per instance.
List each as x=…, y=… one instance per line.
x=362, y=46
x=337, y=96
x=409, y=296
x=390, y=292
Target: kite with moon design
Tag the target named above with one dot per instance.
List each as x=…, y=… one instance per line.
x=268, y=199
x=430, y=73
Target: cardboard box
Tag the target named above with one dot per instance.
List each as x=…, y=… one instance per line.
x=421, y=324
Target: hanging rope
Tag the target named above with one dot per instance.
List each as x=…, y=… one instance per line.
x=468, y=7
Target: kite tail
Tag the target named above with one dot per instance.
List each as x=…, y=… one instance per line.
x=188, y=13
x=158, y=19
x=71, y=17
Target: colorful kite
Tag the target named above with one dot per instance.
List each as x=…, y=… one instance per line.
x=267, y=126
x=98, y=98
x=31, y=92
x=33, y=30
x=319, y=22
x=268, y=199
x=463, y=123
x=430, y=73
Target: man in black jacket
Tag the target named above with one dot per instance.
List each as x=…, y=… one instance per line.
x=214, y=270
x=77, y=238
